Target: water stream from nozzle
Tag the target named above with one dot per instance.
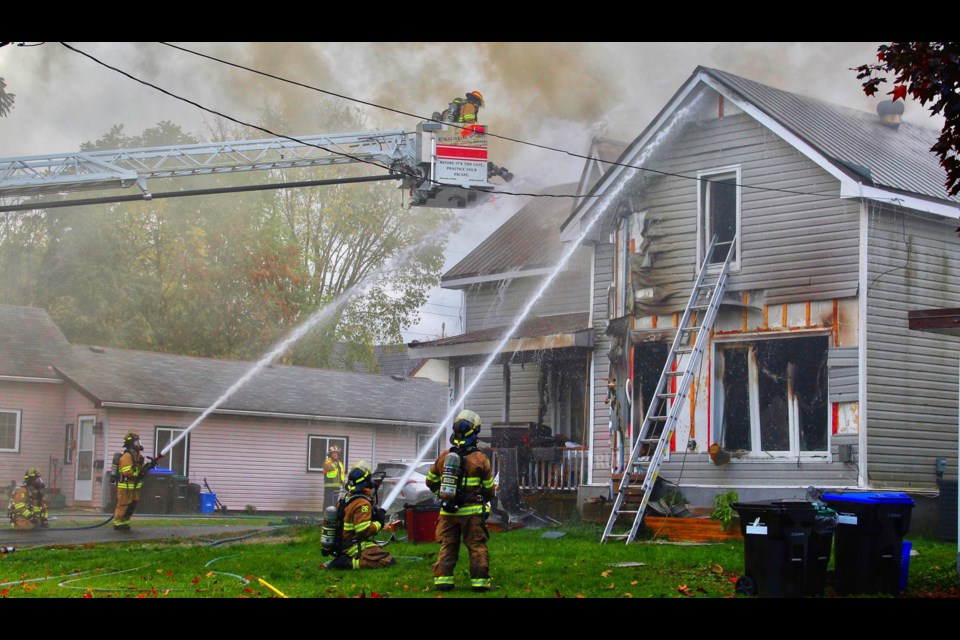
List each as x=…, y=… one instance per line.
x=318, y=316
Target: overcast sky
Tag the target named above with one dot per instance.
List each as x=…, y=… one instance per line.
x=552, y=94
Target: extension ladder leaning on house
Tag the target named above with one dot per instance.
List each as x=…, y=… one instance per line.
x=658, y=426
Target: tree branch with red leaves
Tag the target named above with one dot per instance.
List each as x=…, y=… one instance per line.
x=930, y=73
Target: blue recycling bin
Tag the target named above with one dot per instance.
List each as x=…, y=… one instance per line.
x=779, y=560
x=868, y=547
x=208, y=502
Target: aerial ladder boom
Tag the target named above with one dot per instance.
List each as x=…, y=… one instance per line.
x=458, y=177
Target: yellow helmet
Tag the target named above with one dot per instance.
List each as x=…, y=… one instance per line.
x=359, y=476
x=466, y=424
x=475, y=96
x=33, y=478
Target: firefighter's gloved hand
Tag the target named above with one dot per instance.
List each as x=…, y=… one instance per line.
x=380, y=515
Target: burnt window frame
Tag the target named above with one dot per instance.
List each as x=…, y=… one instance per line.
x=718, y=404
x=705, y=180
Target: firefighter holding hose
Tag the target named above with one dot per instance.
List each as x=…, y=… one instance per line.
x=358, y=520
x=131, y=469
x=463, y=478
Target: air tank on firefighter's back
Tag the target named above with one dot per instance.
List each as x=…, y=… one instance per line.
x=328, y=529
x=450, y=478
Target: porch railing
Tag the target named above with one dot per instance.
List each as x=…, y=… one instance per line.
x=549, y=468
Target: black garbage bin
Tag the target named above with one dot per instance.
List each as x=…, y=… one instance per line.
x=776, y=548
x=820, y=547
x=869, y=540
x=156, y=494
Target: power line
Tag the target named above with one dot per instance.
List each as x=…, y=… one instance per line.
x=273, y=133
x=400, y=171
x=492, y=135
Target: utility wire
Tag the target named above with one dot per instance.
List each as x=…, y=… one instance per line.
x=394, y=169
x=492, y=135
x=376, y=164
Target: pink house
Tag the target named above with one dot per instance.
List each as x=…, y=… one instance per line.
x=64, y=409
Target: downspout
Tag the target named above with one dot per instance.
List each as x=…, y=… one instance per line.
x=591, y=442
x=862, y=344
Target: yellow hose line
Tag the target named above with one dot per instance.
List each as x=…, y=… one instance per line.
x=271, y=587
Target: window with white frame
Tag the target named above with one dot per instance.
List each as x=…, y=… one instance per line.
x=178, y=458
x=69, y=443
x=317, y=447
x=771, y=400
x=433, y=451
x=719, y=213
x=10, y=430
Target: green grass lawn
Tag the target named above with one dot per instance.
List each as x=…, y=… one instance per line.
x=561, y=562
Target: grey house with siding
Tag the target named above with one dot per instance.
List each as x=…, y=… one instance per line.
x=812, y=377
x=64, y=408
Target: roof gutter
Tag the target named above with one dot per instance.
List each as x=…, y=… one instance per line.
x=267, y=414
x=490, y=277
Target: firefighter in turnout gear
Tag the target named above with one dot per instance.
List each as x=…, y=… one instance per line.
x=360, y=520
x=469, y=111
x=28, y=507
x=463, y=478
x=131, y=469
x=333, y=476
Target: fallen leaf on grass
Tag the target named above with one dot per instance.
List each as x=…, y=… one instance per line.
x=633, y=583
x=683, y=589
x=557, y=594
x=606, y=574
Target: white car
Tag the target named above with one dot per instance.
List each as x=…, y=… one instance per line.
x=414, y=489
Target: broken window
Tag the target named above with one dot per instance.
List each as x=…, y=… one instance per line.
x=719, y=213
x=773, y=396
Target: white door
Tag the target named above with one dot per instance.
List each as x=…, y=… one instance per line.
x=83, y=489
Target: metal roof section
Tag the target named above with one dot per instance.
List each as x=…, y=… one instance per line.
x=527, y=244
x=139, y=379
x=570, y=330
x=871, y=159
x=29, y=343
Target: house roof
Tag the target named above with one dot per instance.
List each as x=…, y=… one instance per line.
x=870, y=159
x=393, y=360
x=535, y=334
x=120, y=377
x=896, y=157
x=33, y=347
x=528, y=242
x=29, y=343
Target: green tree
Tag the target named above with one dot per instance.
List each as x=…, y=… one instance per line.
x=228, y=275
x=930, y=72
